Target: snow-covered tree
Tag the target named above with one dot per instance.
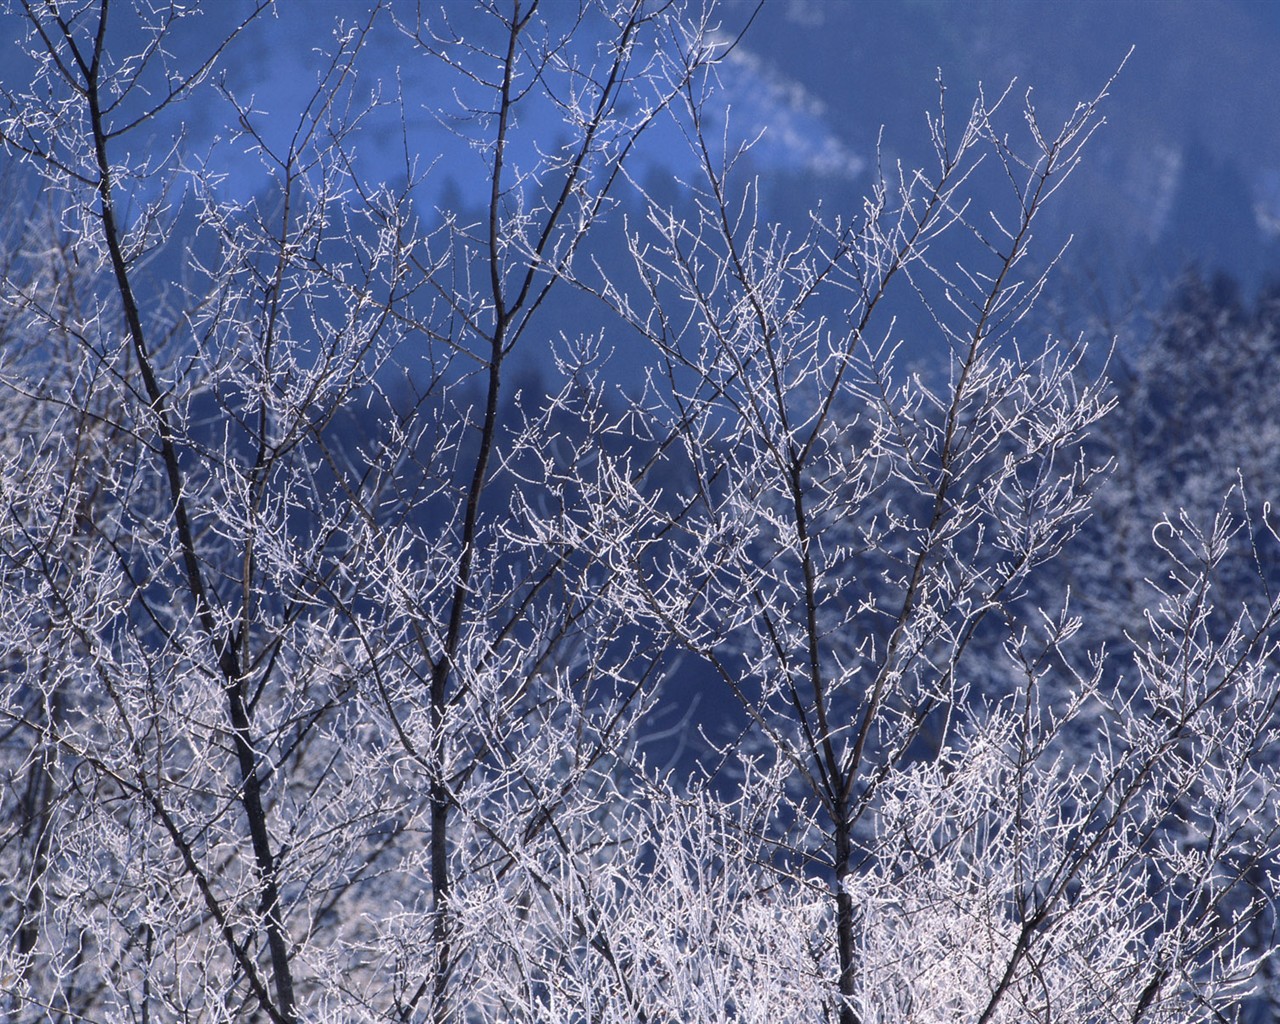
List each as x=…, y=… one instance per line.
x=994, y=824
x=329, y=646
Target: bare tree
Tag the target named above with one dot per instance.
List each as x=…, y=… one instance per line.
x=283, y=684
x=992, y=825
x=328, y=646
